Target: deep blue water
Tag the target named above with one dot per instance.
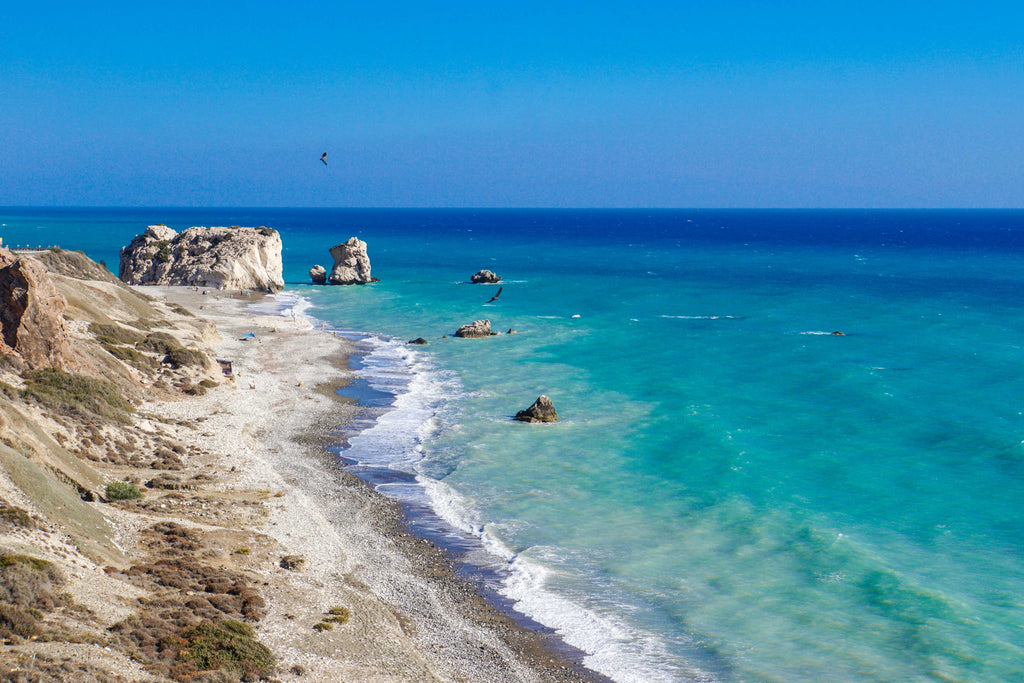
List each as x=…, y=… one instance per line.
x=733, y=493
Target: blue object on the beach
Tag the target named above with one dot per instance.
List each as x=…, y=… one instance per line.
x=250, y=335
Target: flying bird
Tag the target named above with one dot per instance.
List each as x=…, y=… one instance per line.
x=495, y=297
x=323, y=158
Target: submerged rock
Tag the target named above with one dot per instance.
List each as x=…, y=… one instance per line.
x=318, y=274
x=485, y=277
x=542, y=410
x=418, y=340
x=477, y=328
x=219, y=258
x=351, y=264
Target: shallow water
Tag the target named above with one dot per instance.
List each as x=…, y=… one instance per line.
x=732, y=493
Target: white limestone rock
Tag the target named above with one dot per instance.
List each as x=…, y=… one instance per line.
x=351, y=263
x=216, y=258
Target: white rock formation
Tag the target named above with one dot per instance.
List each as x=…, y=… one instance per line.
x=217, y=258
x=351, y=263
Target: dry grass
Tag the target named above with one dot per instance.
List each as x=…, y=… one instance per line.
x=69, y=394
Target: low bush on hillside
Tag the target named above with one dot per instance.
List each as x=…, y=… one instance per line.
x=29, y=587
x=71, y=394
x=227, y=644
x=122, y=490
x=115, y=334
x=130, y=355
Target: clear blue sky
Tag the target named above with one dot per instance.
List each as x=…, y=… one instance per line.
x=478, y=104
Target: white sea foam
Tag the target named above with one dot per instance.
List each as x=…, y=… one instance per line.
x=395, y=441
x=701, y=317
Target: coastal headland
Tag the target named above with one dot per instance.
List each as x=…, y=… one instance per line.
x=169, y=509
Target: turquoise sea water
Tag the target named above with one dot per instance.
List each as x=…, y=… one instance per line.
x=732, y=493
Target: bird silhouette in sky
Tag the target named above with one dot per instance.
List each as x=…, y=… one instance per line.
x=495, y=297
x=323, y=158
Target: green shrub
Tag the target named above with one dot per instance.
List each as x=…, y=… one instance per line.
x=158, y=342
x=163, y=251
x=35, y=563
x=323, y=626
x=29, y=586
x=122, y=490
x=208, y=383
x=181, y=310
x=115, y=334
x=181, y=356
x=339, y=615
x=17, y=622
x=15, y=516
x=72, y=394
x=227, y=644
x=130, y=355
x=7, y=390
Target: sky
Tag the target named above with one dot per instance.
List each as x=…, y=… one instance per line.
x=513, y=104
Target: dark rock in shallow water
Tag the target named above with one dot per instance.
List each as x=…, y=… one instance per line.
x=542, y=410
x=418, y=340
x=318, y=274
x=477, y=328
x=485, y=277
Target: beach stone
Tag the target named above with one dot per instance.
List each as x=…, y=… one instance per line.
x=542, y=410
x=234, y=258
x=318, y=274
x=485, y=277
x=477, y=328
x=351, y=263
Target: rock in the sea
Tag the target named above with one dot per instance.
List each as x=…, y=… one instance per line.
x=32, y=314
x=418, y=340
x=318, y=274
x=477, y=328
x=542, y=410
x=351, y=263
x=485, y=277
x=218, y=258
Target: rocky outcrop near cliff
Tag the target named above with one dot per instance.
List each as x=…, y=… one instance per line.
x=232, y=258
x=32, y=315
x=351, y=263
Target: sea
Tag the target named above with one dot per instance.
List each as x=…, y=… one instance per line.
x=790, y=445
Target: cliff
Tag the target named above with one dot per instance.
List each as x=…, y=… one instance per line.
x=232, y=258
x=81, y=354
x=32, y=315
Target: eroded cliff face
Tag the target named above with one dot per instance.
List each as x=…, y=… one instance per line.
x=32, y=315
x=214, y=258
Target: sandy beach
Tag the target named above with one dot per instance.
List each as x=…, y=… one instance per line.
x=263, y=436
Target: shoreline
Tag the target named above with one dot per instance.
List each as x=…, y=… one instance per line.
x=419, y=616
